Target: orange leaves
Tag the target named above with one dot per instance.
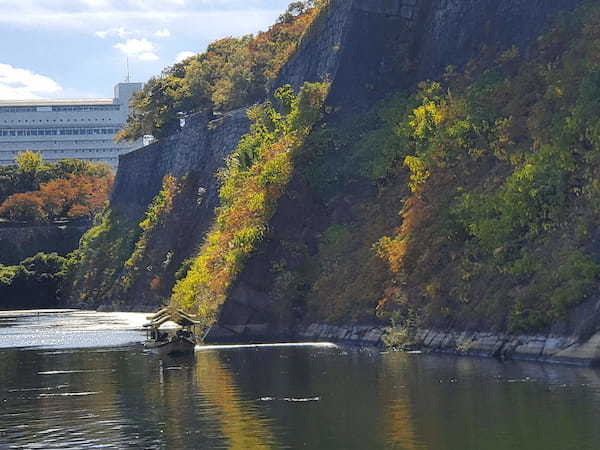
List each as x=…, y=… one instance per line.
x=27, y=207
x=74, y=197
x=77, y=196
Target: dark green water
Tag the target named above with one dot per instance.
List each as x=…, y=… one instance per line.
x=113, y=395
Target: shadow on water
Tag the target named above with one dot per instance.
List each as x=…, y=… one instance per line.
x=314, y=397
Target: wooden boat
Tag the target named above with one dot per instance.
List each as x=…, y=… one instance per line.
x=171, y=341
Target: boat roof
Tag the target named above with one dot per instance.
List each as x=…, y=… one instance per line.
x=171, y=314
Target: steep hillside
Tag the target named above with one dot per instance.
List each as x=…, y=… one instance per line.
x=324, y=258
x=464, y=203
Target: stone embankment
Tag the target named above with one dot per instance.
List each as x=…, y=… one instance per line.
x=551, y=348
x=542, y=348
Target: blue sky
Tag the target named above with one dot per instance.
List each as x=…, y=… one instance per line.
x=78, y=48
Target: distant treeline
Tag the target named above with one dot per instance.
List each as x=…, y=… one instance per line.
x=35, y=283
x=36, y=191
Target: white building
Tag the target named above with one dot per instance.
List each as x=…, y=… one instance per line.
x=60, y=129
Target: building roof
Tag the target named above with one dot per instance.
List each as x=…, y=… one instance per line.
x=59, y=102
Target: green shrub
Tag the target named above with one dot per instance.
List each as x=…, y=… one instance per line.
x=35, y=283
x=502, y=163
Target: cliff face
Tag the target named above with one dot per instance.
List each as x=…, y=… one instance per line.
x=192, y=157
x=366, y=49
x=369, y=47
x=200, y=147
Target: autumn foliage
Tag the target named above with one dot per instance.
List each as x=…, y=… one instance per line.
x=232, y=73
x=255, y=178
x=77, y=196
x=502, y=161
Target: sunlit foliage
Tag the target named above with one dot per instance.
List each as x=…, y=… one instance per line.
x=255, y=177
x=76, y=196
x=503, y=160
x=231, y=73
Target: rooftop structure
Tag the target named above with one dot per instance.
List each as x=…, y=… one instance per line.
x=60, y=129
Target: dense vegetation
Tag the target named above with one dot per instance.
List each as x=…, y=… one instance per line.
x=35, y=283
x=494, y=171
x=35, y=191
x=99, y=260
x=120, y=252
x=231, y=73
x=504, y=159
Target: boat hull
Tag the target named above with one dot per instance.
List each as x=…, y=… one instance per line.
x=172, y=347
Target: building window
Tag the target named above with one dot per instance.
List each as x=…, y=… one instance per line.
x=58, y=131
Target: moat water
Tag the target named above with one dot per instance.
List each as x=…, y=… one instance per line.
x=79, y=380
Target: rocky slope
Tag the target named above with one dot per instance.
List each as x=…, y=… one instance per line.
x=366, y=49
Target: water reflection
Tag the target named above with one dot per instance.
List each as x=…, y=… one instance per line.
x=399, y=429
x=241, y=422
x=314, y=397
x=68, y=329
x=449, y=403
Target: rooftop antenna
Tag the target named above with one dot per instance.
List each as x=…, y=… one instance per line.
x=127, y=78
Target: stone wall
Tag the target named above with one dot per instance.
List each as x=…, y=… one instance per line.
x=369, y=47
x=366, y=48
x=453, y=31
x=550, y=348
x=201, y=146
x=196, y=152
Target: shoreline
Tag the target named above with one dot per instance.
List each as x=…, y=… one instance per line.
x=549, y=349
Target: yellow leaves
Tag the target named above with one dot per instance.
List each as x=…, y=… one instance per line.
x=162, y=204
x=246, y=238
x=425, y=119
x=257, y=203
x=419, y=173
x=29, y=161
x=392, y=250
x=276, y=172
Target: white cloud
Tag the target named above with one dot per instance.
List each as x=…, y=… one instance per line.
x=135, y=46
x=183, y=55
x=142, y=49
x=163, y=33
x=19, y=84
